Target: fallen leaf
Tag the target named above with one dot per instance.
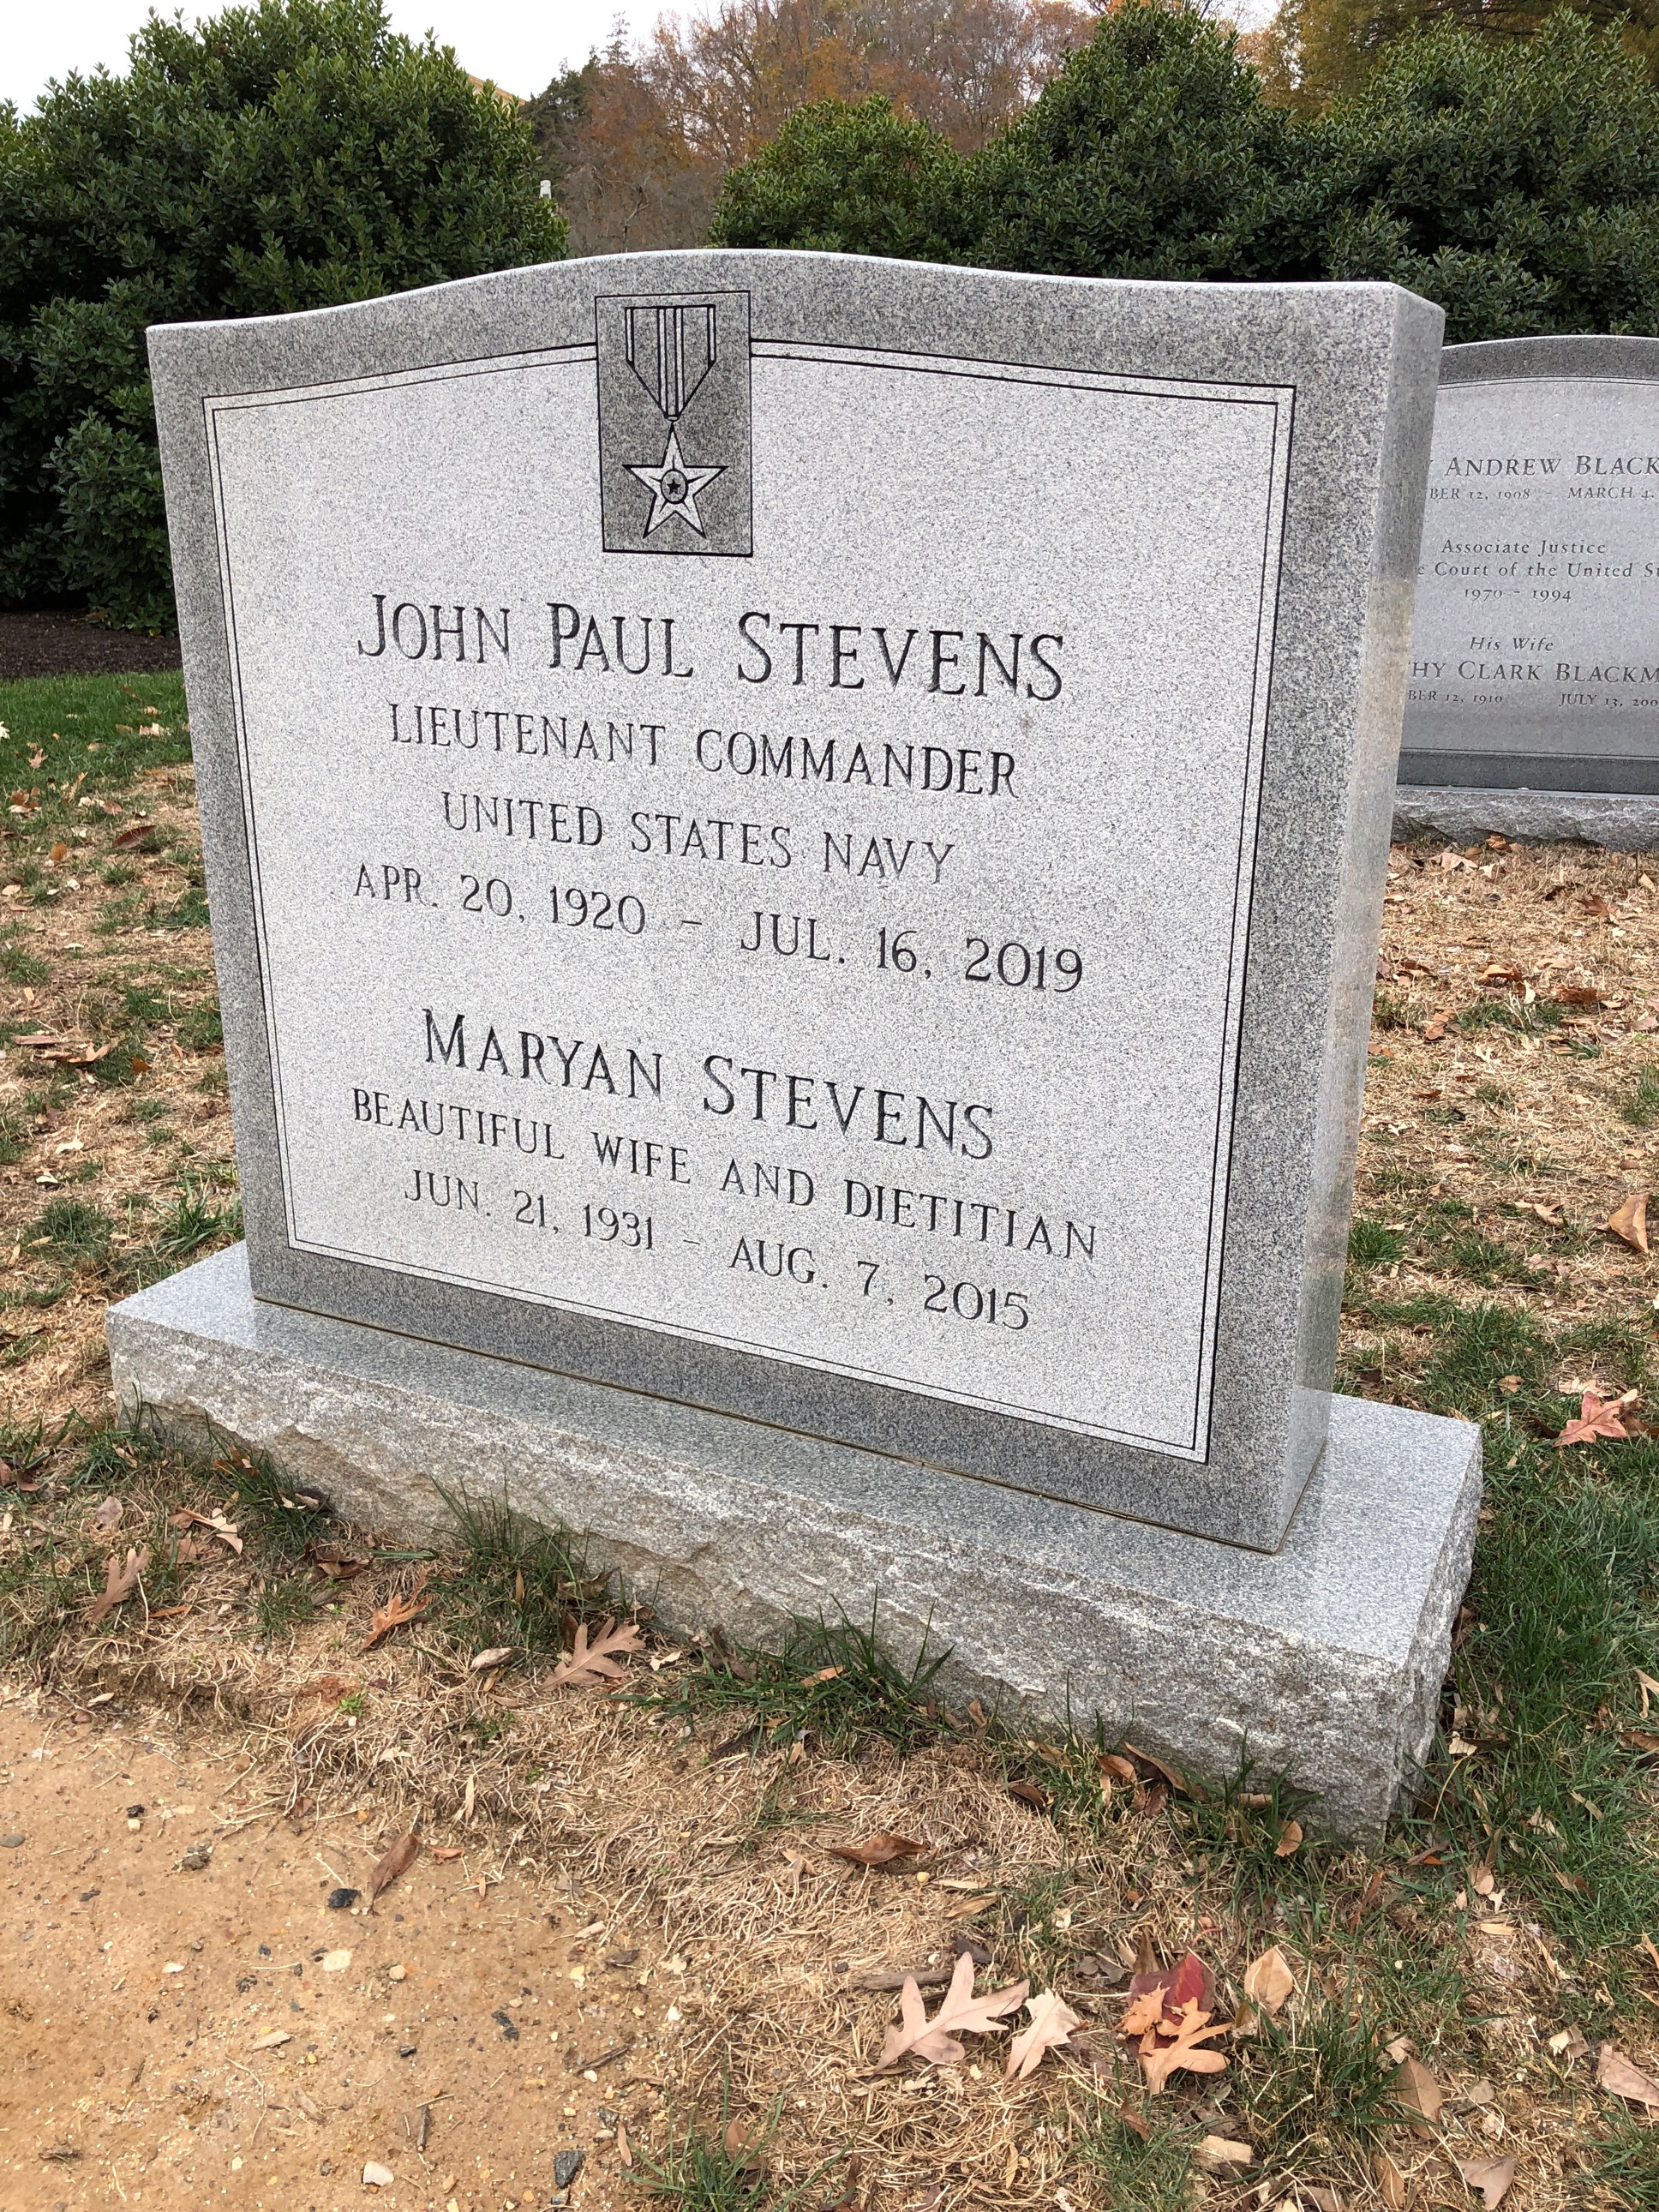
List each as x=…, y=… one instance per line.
x=223, y=1528
x=1491, y=2176
x=1115, y=1767
x=270, y=2038
x=448, y=1850
x=1647, y=1684
x=879, y=1851
x=338, y=1567
x=1630, y=1222
x=743, y=2142
x=119, y=1584
x=396, y=1612
x=396, y=1861
x=1290, y=1839
x=1144, y=2011
x=1190, y=1983
x=1268, y=1980
x=1051, y=2024
x=1616, y=2073
x=1390, y=2182
x=591, y=1665
x=1415, y=2087
x=1029, y=1794
x=624, y=2149
x=1597, y=1417
x=134, y=834
x=1158, y=2060
x=486, y=1661
x=1220, y=2155
x=1172, y=1775
x=960, y=2013
x=108, y=1516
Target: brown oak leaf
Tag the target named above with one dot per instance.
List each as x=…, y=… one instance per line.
x=590, y=1666
x=223, y=1527
x=1158, y=2060
x=1051, y=2024
x=396, y=1612
x=960, y=2013
x=120, y=1582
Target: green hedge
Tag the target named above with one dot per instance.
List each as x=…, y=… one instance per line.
x=295, y=154
x=1515, y=181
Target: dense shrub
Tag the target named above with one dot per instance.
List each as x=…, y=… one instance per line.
x=1515, y=181
x=1152, y=154
x=293, y=154
x=851, y=179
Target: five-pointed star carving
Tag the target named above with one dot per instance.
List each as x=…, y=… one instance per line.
x=674, y=487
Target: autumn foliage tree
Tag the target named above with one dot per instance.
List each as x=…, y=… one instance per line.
x=1516, y=181
x=637, y=142
x=1314, y=51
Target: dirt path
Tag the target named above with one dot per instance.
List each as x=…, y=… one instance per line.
x=135, y=1993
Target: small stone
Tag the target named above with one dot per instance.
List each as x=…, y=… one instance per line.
x=567, y=2165
x=406, y=2050
x=197, y=1856
x=509, y=2026
x=377, y=2177
x=135, y=1811
x=339, y=1898
x=12, y=1843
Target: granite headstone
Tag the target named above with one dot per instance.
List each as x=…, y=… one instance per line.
x=795, y=848
x=1534, y=700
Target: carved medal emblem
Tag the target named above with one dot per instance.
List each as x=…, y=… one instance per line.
x=675, y=443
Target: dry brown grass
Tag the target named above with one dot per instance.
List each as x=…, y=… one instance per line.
x=1525, y=1127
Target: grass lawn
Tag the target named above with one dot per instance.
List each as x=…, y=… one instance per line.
x=1505, y=1930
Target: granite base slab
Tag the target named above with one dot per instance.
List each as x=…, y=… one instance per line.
x=1324, y=1658
x=1622, y=822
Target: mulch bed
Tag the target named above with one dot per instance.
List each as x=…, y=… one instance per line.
x=58, y=644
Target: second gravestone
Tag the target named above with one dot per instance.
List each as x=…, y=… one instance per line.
x=1534, y=704
x=795, y=847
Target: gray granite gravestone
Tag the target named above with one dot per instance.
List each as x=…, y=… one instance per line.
x=1533, y=702
x=795, y=847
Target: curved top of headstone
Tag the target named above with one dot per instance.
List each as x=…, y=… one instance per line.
x=1586, y=354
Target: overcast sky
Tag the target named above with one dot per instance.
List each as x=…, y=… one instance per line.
x=522, y=44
